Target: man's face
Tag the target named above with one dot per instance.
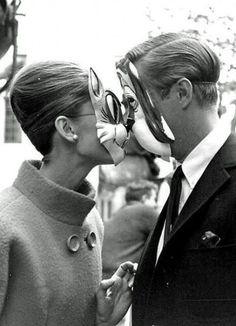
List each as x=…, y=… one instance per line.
x=166, y=106
x=180, y=114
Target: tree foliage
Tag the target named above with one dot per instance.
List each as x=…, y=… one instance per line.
x=212, y=24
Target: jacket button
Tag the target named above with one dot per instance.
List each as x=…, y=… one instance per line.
x=73, y=243
x=91, y=240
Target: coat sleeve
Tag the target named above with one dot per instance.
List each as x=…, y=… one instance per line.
x=4, y=264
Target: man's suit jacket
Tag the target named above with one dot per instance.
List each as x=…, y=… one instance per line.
x=194, y=283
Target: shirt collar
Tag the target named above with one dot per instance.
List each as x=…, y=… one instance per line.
x=196, y=162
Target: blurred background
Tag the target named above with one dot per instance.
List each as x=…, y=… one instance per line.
x=97, y=33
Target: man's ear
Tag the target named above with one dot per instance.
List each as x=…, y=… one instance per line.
x=184, y=91
x=64, y=127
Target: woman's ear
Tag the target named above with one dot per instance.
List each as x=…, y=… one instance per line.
x=64, y=127
x=184, y=91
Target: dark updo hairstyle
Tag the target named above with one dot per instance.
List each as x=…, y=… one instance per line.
x=42, y=91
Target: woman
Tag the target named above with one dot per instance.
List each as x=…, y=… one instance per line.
x=50, y=232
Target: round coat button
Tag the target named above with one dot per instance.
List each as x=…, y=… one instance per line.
x=73, y=243
x=91, y=240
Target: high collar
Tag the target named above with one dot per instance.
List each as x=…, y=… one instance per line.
x=60, y=203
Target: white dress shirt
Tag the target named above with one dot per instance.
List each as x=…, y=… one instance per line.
x=197, y=161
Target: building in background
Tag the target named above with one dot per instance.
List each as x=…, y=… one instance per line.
x=13, y=145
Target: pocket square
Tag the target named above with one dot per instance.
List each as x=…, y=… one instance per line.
x=210, y=240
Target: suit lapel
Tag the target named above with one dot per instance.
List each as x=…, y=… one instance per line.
x=150, y=249
x=212, y=179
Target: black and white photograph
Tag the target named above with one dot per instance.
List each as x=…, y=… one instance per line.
x=117, y=163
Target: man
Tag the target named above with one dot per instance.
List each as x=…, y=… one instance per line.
x=128, y=229
x=187, y=272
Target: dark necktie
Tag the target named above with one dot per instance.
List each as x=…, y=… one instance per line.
x=173, y=200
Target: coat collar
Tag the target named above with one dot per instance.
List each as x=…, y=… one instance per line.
x=62, y=204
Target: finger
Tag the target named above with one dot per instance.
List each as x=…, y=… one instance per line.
x=105, y=284
x=103, y=289
x=128, y=279
x=131, y=282
x=130, y=273
x=128, y=265
x=124, y=268
x=135, y=267
x=115, y=287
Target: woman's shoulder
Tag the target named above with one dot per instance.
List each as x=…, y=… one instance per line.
x=9, y=208
x=8, y=197
x=13, y=204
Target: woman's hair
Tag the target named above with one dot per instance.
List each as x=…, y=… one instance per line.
x=42, y=91
x=137, y=189
x=168, y=57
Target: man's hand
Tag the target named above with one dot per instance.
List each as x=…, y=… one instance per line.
x=114, y=295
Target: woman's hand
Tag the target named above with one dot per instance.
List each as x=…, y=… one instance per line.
x=114, y=295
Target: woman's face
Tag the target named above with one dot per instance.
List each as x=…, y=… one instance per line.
x=88, y=144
